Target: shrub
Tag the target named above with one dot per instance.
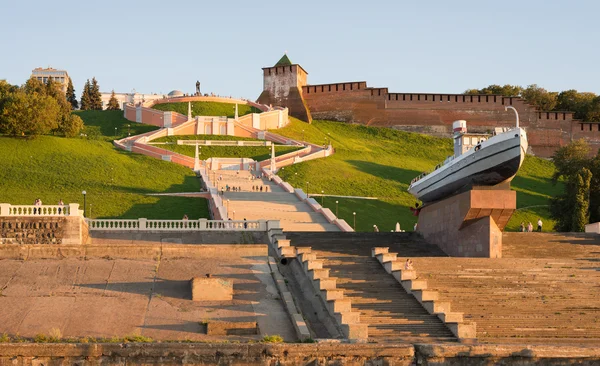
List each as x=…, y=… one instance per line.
x=272, y=339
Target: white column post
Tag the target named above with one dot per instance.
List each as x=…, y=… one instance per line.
x=4, y=209
x=142, y=223
x=202, y=224
x=280, y=119
x=73, y=209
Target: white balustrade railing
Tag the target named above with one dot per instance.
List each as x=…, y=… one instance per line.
x=223, y=143
x=112, y=225
x=71, y=209
x=180, y=225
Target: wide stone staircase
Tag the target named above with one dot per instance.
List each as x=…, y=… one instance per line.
x=392, y=315
x=545, y=290
x=272, y=203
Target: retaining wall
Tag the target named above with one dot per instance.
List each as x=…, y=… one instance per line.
x=294, y=354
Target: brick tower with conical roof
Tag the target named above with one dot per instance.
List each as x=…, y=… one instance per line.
x=282, y=86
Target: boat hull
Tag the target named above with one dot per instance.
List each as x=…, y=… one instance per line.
x=492, y=165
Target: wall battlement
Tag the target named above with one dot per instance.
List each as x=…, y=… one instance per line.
x=336, y=87
x=429, y=113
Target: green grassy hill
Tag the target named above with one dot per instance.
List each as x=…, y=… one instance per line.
x=258, y=153
x=54, y=168
x=381, y=162
x=208, y=108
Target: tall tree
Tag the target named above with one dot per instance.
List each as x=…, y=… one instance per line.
x=572, y=100
x=86, y=102
x=71, y=98
x=593, y=112
x=507, y=90
x=113, y=103
x=29, y=114
x=581, y=198
x=54, y=90
x=95, y=95
x=540, y=97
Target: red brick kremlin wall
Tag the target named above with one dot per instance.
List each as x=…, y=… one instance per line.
x=434, y=113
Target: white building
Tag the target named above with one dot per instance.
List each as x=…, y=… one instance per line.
x=134, y=98
x=59, y=76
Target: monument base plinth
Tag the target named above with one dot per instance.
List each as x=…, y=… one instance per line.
x=469, y=224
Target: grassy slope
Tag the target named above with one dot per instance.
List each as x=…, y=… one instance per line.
x=208, y=108
x=116, y=182
x=257, y=153
x=380, y=163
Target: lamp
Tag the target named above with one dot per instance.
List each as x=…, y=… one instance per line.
x=84, y=193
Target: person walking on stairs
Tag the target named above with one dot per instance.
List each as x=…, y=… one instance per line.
x=539, y=228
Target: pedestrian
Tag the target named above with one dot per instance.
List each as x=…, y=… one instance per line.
x=415, y=227
x=539, y=228
x=38, y=202
x=522, y=228
x=375, y=228
x=408, y=265
x=60, y=205
x=245, y=223
x=529, y=227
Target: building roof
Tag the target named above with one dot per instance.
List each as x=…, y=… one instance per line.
x=176, y=93
x=38, y=71
x=284, y=61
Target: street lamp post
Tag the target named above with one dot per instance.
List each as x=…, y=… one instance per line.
x=307, y=189
x=336, y=208
x=228, y=205
x=115, y=132
x=90, y=210
x=303, y=135
x=84, y=193
x=322, y=197
x=233, y=214
x=354, y=214
x=128, y=130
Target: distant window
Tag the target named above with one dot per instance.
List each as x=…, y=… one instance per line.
x=473, y=140
x=466, y=140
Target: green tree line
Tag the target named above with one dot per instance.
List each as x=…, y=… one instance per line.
x=36, y=108
x=585, y=105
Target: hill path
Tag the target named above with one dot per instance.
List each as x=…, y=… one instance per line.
x=273, y=203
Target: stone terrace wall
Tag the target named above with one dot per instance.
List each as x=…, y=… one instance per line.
x=293, y=354
x=434, y=113
x=42, y=230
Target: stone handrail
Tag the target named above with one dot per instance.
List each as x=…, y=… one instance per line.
x=223, y=143
x=143, y=224
x=71, y=209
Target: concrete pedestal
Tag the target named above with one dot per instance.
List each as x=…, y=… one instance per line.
x=211, y=289
x=469, y=224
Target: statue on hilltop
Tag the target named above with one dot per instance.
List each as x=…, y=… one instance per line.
x=198, y=87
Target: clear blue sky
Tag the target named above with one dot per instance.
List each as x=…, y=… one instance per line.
x=408, y=46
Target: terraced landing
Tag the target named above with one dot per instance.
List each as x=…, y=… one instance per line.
x=391, y=313
x=273, y=203
x=546, y=289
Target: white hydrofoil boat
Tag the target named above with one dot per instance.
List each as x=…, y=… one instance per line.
x=478, y=160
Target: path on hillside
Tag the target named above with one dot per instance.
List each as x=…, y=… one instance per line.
x=273, y=203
